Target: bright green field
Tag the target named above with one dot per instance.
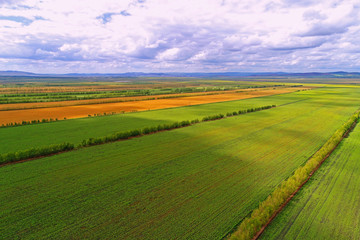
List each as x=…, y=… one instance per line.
x=196, y=182
x=328, y=206
x=74, y=131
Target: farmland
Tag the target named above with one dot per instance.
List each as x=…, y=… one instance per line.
x=106, y=108
x=69, y=90
x=186, y=120
x=328, y=206
x=75, y=130
x=195, y=182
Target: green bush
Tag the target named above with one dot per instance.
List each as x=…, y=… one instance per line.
x=35, y=152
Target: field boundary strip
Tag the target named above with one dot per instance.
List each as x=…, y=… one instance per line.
x=40, y=152
x=252, y=227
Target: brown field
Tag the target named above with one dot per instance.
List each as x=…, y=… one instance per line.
x=85, y=110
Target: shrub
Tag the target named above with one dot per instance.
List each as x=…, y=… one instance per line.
x=35, y=152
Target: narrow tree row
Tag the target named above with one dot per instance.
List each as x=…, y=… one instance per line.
x=229, y=114
x=44, y=151
x=135, y=133
x=35, y=152
x=15, y=124
x=260, y=216
x=162, y=127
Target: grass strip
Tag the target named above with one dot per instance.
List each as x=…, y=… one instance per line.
x=58, y=148
x=252, y=226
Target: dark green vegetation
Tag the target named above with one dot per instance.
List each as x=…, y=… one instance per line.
x=197, y=182
x=327, y=207
x=15, y=124
x=259, y=217
x=35, y=152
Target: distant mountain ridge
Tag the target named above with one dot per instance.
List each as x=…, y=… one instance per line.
x=16, y=73
x=338, y=74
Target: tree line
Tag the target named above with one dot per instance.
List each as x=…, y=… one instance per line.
x=35, y=152
x=22, y=123
x=260, y=216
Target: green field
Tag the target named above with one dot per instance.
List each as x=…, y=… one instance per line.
x=75, y=130
x=327, y=207
x=196, y=182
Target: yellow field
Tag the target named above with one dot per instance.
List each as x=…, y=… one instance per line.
x=91, y=109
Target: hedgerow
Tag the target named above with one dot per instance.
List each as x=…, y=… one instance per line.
x=35, y=152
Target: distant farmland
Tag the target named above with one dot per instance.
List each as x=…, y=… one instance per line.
x=79, y=111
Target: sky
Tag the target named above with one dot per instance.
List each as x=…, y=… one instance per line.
x=116, y=36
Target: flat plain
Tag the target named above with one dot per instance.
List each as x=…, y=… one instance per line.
x=80, y=111
x=76, y=130
x=196, y=182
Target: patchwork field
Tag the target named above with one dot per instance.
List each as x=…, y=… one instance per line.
x=85, y=110
x=68, y=89
x=328, y=206
x=196, y=182
x=21, y=106
x=76, y=130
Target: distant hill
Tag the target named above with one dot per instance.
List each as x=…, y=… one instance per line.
x=339, y=74
x=16, y=73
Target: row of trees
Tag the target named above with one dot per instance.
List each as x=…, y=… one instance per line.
x=85, y=95
x=259, y=217
x=135, y=133
x=35, y=152
x=47, y=150
x=249, y=110
x=14, y=124
x=161, y=127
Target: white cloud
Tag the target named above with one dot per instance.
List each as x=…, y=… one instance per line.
x=202, y=35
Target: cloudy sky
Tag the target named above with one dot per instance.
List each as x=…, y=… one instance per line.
x=62, y=36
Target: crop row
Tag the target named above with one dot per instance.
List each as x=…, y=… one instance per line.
x=56, y=148
x=261, y=216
